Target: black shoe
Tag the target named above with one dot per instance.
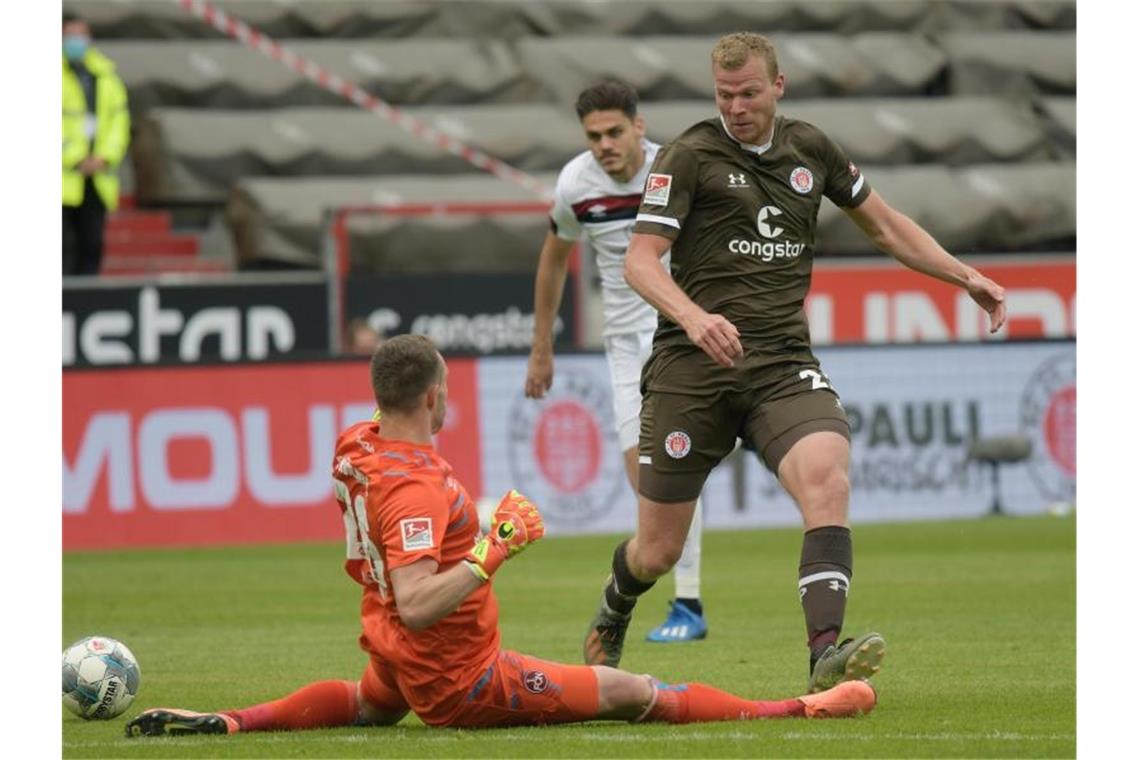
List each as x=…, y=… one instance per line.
x=164, y=721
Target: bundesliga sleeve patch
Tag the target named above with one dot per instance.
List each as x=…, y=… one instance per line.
x=657, y=189
x=416, y=532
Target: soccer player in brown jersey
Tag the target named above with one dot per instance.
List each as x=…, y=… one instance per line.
x=736, y=198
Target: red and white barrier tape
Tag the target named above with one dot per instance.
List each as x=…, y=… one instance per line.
x=267, y=46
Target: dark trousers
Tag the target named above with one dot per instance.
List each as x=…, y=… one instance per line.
x=83, y=233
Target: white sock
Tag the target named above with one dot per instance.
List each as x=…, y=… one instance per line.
x=687, y=572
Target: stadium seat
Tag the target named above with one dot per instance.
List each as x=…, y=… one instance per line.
x=324, y=19
x=344, y=19
x=894, y=131
x=1061, y=119
x=195, y=155
x=222, y=74
x=979, y=208
x=282, y=221
x=1011, y=63
x=677, y=67
x=902, y=85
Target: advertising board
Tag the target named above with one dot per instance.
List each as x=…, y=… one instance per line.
x=913, y=410
x=462, y=313
x=879, y=301
x=223, y=454
x=246, y=319
x=242, y=453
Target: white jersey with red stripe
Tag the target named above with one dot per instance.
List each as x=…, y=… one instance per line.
x=586, y=199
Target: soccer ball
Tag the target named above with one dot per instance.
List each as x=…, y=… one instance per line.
x=100, y=678
x=485, y=507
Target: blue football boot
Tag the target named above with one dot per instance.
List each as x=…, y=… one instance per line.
x=682, y=625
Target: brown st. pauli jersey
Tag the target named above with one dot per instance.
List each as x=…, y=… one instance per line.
x=742, y=220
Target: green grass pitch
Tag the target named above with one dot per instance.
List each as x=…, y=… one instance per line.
x=979, y=616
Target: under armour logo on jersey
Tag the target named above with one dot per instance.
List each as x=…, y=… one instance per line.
x=737, y=180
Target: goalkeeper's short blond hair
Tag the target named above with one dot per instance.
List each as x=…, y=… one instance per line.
x=732, y=51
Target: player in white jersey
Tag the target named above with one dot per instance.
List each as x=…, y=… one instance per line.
x=598, y=193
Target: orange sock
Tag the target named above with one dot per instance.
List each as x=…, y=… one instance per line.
x=323, y=704
x=699, y=703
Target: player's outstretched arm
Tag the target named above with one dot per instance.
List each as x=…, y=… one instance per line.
x=714, y=334
x=515, y=524
x=900, y=236
x=549, y=282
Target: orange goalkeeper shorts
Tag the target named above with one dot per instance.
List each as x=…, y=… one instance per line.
x=516, y=690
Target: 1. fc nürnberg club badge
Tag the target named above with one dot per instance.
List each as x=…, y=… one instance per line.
x=802, y=180
x=678, y=444
x=535, y=681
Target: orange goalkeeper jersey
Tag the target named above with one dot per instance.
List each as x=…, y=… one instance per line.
x=401, y=503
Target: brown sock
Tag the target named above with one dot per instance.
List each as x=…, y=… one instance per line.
x=825, y=575
x=623, y=589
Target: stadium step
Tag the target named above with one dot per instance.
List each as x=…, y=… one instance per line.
x=138, y=242
x=150, y=244
x=120, y=266
x=138, y=222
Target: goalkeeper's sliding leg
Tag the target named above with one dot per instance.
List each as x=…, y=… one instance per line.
x=515, y=690
x=641, y=699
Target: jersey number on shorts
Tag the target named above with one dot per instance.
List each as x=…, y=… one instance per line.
x=357, y=542
x=818, y=379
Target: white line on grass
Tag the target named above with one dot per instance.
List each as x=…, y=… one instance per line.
x=445, y=736
x=1005, y=736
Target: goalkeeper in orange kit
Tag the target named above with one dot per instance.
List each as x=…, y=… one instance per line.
x=429, y=615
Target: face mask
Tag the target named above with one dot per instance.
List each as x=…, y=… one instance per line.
x=75, y=47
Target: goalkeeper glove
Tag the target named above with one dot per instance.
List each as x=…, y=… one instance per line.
x=514, y=524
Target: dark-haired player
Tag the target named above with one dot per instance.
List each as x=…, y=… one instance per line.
x=597, y=196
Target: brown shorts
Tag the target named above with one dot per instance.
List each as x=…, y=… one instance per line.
x=686, y=432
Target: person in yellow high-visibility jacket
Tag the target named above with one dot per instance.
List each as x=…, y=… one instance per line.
x=96, y=131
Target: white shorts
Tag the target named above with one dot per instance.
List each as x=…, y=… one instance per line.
x=626, y=354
